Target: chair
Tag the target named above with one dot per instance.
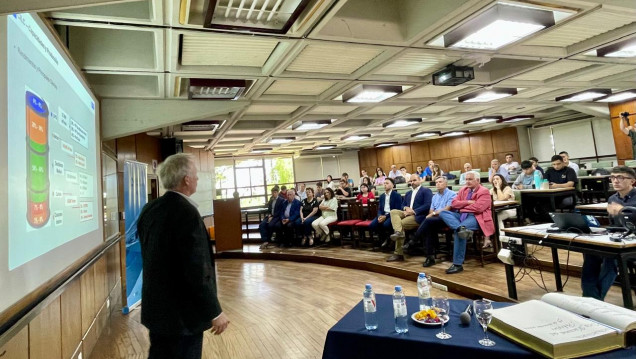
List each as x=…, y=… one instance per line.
x=399, y=186
x=347, y=224
x=476, y=169
x=367, y=217
x=455, y=173
x=581, y=172
x=602, y=164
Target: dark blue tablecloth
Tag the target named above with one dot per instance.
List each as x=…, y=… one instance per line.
x=349, y=338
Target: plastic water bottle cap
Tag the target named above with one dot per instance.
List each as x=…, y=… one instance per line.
x=367, y=286
x=422, y=275
x=398, y=288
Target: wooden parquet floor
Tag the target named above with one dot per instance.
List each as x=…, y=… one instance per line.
x=277, y=309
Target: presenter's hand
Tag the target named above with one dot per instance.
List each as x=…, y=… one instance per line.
x=220, y=324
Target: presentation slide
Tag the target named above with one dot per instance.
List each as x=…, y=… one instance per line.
x=53, y=196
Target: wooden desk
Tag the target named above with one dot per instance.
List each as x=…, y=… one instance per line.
x=600, y=245
x=596, y=209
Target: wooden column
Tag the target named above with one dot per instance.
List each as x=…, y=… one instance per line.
x=622, y=142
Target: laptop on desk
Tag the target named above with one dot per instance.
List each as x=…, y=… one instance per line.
x=574, y=223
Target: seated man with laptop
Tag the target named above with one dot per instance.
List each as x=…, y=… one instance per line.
x=598, y=273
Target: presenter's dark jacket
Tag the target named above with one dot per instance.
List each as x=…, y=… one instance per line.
x=395, y=202
x=179, y=282
x=421, y=204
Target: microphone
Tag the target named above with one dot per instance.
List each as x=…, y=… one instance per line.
x=464, y=318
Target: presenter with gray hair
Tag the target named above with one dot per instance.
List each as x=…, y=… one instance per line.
x=179, y=296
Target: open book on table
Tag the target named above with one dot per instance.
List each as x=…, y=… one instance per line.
x=563, y=326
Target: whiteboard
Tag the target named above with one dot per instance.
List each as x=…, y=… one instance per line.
x=541, y=140
x=604, y=137
x=575, y=138
x=308, y=169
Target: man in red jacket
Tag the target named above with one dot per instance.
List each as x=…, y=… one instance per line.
x=471, y=210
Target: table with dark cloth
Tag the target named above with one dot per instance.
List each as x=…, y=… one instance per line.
x=349, y=338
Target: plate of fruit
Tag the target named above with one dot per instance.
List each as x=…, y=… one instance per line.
x=429, y=316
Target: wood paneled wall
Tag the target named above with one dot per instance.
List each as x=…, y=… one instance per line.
x=622, y=142
x=450, y=153
x=71, y=323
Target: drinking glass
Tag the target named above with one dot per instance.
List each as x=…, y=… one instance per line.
x=483, y=312
x=442, y=307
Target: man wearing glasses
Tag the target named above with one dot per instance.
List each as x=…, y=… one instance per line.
x=598, y=272
x=414, y=210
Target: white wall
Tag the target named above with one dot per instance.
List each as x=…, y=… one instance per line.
x=577, y=138
x=314, y=168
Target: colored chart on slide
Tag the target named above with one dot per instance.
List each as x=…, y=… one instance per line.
x=53, y=171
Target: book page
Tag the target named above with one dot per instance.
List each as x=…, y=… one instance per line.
x=606, y=313
x=551, y=324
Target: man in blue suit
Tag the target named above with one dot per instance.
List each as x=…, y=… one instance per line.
x=275, y=208
x=291, y=212
x=414, y=209
x=389, y=200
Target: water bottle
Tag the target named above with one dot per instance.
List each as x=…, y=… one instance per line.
x=537, y=179
x=423, y=291
x=370, y=317
x=399, y=310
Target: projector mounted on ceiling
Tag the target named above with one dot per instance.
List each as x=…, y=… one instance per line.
x=453, y=75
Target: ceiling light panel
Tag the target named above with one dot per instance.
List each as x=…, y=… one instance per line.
x=299, y=87
x=215, y=50
x=620, y=49
x=416, y=63
x=582, y=28
x=487, y=95
x=587, y=95
x=498, y=26
x=619, y=96
x=552, y=70
x=255, y=16
x=370, y=93
x=482, y=120
x=404, y=122
x=333, y=59
x=532, y=93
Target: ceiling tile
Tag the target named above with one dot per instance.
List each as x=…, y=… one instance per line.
x=385, y=110
x=332, y=110
x=430, y=91
x=552, y=70
x=416, y=63
x=271, y=109
x=299, y=87
x=333, y=59
x=434, y=109
x=218, y=50
x=606, y=71
x=533, y=92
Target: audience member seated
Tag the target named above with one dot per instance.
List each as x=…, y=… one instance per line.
x=405, y=174
x=525, y=180
x=566, y=160
x=561, y=176
x=275, y=207
x=309, y=212
x=501, y=191
x=329, y=208
x=511, y=165
x=349, y=181
x=301, y=192
x=428, y=171
x=389, y=200
x=379, y=177
x=535, y=163
x=283, y=192
x=363, y=175
x=420, y=172
x=375, y=175
x=319, y=191
x=415, y=207
x=471, y=210
x=369, y=184
x=330, y=183
x=364, y=196
x=433, y=222
x=394, y=172
x=437, y=172
x=496, y=168
x=462, y=178
x=598, y=273
x=291, y=211
x=343, y=189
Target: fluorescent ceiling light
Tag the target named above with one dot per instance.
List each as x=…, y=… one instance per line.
x=586, y=95
x=310, y=125
x=281, y=140
x=197, y=146
x=261, y=150
x=370, y=93
x=356, y=137
x=454, y=133
x=385, y=144
x=482, y=120
x=515, y=119
x=216, y=89
x=325, y=147
x=426, y=134
x=488, y=95
x=273, y=17
x=402, y=122
x=621, y=49
x=500, y=25
x=617, y=97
